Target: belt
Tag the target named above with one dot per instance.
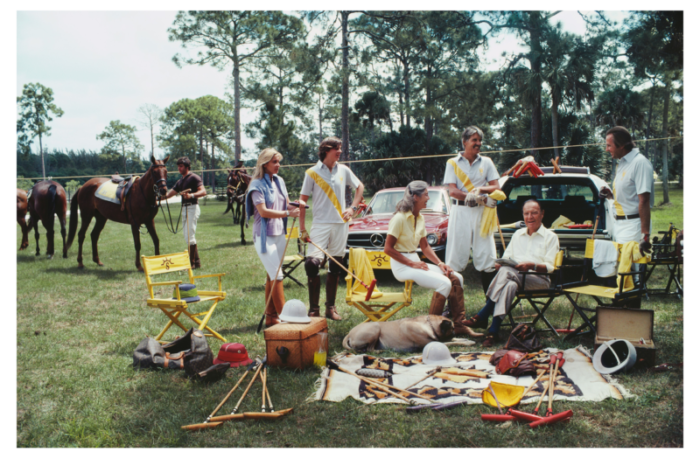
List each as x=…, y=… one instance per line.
x=185, y=204
x=626, y=217
x=459, y=203
x=405, y=253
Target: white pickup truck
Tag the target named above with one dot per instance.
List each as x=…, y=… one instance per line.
x=572, y=194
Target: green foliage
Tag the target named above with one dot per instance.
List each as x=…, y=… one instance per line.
x=35, y=107
x=120, y=139
x=23, y=183
x=620, y=106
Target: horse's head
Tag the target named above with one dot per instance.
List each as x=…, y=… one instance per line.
x=159, y=174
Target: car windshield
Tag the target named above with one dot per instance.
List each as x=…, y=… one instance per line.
x=551, y=191
x=385, y=202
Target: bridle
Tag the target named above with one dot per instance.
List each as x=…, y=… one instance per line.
x=159, y=203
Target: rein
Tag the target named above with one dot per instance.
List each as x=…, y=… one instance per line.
x=172, y=228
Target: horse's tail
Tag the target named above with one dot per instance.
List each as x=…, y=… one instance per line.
x=73, y=225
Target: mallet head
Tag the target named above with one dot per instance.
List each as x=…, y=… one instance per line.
x=370, y=289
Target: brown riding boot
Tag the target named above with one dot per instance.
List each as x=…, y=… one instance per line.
x=278, y=297
x=271, y=316
x=194, y=257
x=331, y=290
x=437, y=304
x=314, y=286
x=456, y=301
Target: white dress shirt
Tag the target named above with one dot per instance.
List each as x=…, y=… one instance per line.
x=541, y=248
x=634, y=176
x=480, y=172
x=323, y=209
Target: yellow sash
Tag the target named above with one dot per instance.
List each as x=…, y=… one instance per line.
x=618, y=206
x=326, y=189
x=461, y=175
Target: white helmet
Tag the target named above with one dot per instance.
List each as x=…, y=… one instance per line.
x=436, y=353
x=294, y=311
x=613, y=356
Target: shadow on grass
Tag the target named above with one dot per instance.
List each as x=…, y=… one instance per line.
x=227, y=245
x=102, y=272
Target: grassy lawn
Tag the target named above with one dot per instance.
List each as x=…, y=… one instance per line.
x=77, y=330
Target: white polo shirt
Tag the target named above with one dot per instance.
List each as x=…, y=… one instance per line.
x=323, y=209
x=480, y=173
x=634, y=176
x=541, y=248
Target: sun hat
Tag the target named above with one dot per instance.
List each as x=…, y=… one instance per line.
x=436, y=353
x=294, y=311
x=188, y=292
x=234, y=354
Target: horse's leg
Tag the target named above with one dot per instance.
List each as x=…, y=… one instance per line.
x=48, y=222
x=151, y=227
x=86, y=218
x=242, y=231
x=34, y=223
x=137, y=244
x=25, y=233
x=100, y=221
x=63, y=235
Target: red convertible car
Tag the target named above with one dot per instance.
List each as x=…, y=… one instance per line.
x=369, y=230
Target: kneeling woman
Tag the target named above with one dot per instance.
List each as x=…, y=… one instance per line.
x=267, y=202
x=406, y=233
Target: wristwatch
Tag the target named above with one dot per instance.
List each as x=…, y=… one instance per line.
x=287, y=212
x=354, y=208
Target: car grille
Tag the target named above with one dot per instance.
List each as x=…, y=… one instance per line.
x=364, y=240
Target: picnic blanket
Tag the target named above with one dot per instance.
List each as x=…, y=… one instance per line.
x=578, y=380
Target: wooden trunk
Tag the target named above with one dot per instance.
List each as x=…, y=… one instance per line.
x=634, y=325
x=294, y=345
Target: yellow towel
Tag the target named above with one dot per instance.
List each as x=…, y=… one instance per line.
x=360, y=265
x=628, y=254
x=489, y=219
x=560, y=223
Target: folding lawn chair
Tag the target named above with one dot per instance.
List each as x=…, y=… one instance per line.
x=542, y=298
x=667, y=252
x=292, y=262
x=173, y=304
x=615, y=296
x=376, y=309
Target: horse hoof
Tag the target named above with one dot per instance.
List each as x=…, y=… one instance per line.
x=65, y=255
x=81, y=266
x=243, y=243
x=140, y=269
x=48, y=257
x=100, y=264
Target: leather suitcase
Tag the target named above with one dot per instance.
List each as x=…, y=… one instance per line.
x=634, y=325
x=294, y=345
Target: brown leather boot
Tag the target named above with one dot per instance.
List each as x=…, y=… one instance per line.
x=191, y=251
x=271, y=316
x=331, y=290
x=278, y=297
x=456, y=300
x=194, y=259
x=314, y=286
x=437, y=304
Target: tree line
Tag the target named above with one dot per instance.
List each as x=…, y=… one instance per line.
x=416, y=82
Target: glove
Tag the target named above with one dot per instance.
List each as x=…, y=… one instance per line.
x=490, y=202
x=605, y=193
x=471, y=200
x=305, y=236
x=645, y=245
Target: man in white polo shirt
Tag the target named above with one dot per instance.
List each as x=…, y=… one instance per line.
x=468, y=176
x=631, y=191
x=326, y=182
x=533, y=249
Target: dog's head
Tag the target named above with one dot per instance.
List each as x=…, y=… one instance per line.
x=447, y=330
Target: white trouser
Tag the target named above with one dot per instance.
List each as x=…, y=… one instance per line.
x=274, y=254
x=331, y=237
x=190, y=215
x=463, y=235
x=628, y=230
x=433, y=279
x=505, y=286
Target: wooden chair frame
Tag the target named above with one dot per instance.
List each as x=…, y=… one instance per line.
x=380, y=309
x=664, y=254
x=619, y=298
x=542, y=298
x=175, y=308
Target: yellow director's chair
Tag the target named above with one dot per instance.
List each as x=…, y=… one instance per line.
x=177, y=303
x=378, y=308
x=630, y=288
x=542, y=298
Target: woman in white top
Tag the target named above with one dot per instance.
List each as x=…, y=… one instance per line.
x=406, y=233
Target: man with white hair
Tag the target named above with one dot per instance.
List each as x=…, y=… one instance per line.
x=468, y=176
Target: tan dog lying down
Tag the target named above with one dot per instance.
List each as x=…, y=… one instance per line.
x=407, y=335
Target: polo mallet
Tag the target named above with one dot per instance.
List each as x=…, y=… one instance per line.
x=266, y=391
x=552, y=360
x=553, y=379
x=370, y=287
x=550, y=418
x=233, y=414
x=573, y=309
x=430, y=374
x=263, y=378
x=497, y=417
x=274, y=282
x=500, y=232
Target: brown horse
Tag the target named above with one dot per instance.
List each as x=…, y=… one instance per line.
x=47, y=198
x=238, y=182
x=140, y=208
x=21, y=217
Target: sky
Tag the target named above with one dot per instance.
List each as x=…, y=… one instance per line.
x=104, y=65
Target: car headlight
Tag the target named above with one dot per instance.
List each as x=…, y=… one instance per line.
x=432, y=239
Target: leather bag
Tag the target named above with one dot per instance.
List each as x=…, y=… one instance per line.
x=197, y=355
x=523, y=338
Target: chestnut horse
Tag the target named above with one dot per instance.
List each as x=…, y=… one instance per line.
x=238, y=182
x=140, y=208
x=21, y=217
x=46, y=199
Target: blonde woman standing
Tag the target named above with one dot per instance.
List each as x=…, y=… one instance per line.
x=267, y=201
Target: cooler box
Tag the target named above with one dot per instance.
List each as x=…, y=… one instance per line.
x=294, y=345
x=634, y=325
